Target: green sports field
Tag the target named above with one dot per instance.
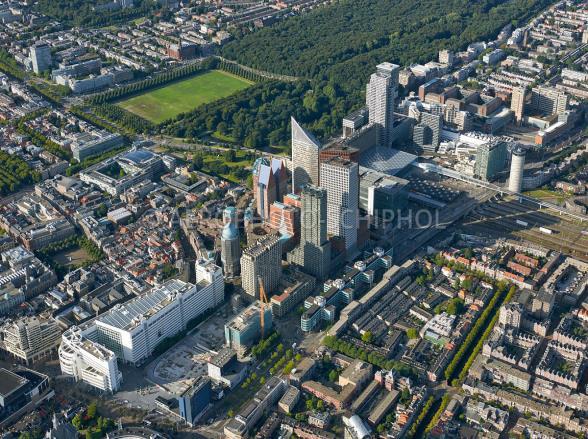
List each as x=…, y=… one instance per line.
x=169, y=101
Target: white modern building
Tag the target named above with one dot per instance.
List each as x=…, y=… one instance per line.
x=133, y=330
x=380, y=95
x=548, y=100
x=340, y=178
x=88, y=361
x=305, y=157
x=209, y=277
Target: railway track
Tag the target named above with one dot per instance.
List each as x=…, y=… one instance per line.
x=496, y=219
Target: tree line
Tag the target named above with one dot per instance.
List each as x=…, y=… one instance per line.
x=157, y=80
x=478, y=334
x=9, y=66
x=374, y=358
x=130, y=121
x=40, y=140
x=238, y=70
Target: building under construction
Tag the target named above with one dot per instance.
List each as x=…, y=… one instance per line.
x=244, y=330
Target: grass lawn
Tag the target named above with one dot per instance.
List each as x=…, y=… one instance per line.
x=223, y=137
x=213, y=160
x=547, y=195
x=280, y=149
x=166, y=102
x=73, y=257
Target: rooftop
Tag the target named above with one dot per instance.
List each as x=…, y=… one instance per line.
x=138, y=156
x=387, y=160
x=128, y=315
x=246, y=317
x=10, y=382
x=223, y=357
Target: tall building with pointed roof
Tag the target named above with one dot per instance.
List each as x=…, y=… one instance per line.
x=305, y=157
x=270, y=184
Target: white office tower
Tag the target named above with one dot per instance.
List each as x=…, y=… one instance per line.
x=517, y=167
x=40, y=57
x=230, y=245
x=305, y=157
x=88, y=361
x=380, y=95
x=340, y=178
x=210, y=277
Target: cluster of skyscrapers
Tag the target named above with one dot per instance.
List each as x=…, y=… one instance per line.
x=314, y=217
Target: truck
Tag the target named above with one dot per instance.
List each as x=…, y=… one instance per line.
x=546, y=231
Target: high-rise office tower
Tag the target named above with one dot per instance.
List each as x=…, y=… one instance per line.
x=421, y=136
x=262, y=260
x=305, y=157
x=517, y=167
x=270, y=184
x=41, y=57
x=285, y=219
x=380, y=95
x=517, y=103
x=230, y=246
x=427, y=132
x=490, y=160
x=313, y=253
x=340, y=178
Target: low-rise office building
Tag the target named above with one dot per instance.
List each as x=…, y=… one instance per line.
x=30, y=339
x=239, y=426
x=22, y=390
x=87, y=361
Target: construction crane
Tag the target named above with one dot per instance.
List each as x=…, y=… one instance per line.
x=263, y=302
